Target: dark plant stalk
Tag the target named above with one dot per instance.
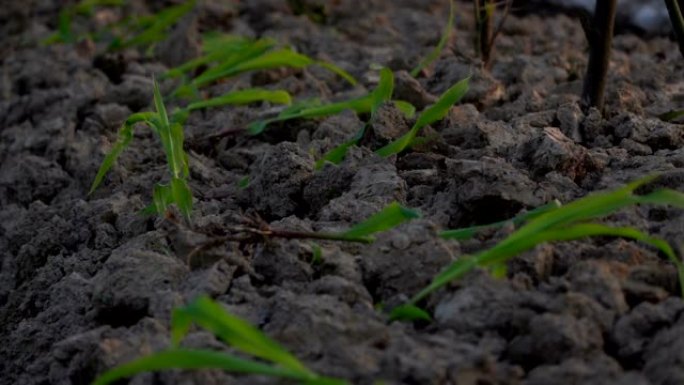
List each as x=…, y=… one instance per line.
x=677, y=20
x=483, y=26
x=600, y=41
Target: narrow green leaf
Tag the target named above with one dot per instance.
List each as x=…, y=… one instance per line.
x=243, y=182
x=338, y=71
x=391, y=216
x=162, y=21
x=359, y=105
x=437, y=51
x=182, y=196
x=196, y=359
x=568, y=223
x=469, y=232
x=408, y=109
x=409, y=312
x=672, y=115
x=240, y=334
x=125, y=135
x=455, y=270
x=381, y=94
x=161, y=197
x=336, y=155
x=246, y=96
x=430, y=115
x=220, y=48
x=262, y=61
x=316, y=254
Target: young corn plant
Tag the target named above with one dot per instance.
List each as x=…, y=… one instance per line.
x=65, y=33
x=146, y=31
x=269, y=357
x=381, y=94
x=169, y=128
x=360, y=105
x=437, y=51
x=137, y=31
x=430, y=115
x=555, y=224
x=226, y=56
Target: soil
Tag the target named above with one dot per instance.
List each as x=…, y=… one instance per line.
x=87, y=283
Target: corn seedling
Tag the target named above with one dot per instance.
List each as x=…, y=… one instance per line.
x=486, y=32
x=672, y=115
x=143, y=31
x=381, y=94
x=270, y=358
x=360, y=105
x=149, y=30
x=228, y=56
x=437, y=51
x=565, y=223
x=170, y=131
x=470, y=232
x=65, y=33
x=430, y=115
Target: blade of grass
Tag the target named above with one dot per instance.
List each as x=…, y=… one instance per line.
x=407, y=108
x=561, y=224
x=437, y=51
x=264, y=60
x=469, y=232
x=162, y=21
x=671, y=115
x=358, y=105
x=409, y=313
x=237, y=333
x=246, y=96
x=430, y=115
x=391, y=216
x=338, y=71
x=196, y=359
x=125, y=135
x=381, y=94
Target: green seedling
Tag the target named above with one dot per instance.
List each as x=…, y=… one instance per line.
x=360, y=105
x=437, y=51
x=224, y=49
x=274, y=360
x=672, y=115
x=228, y=56
x=430, y=115
x=153, y=29
x=381, y=94
x=565, y=223
x=65, y=33
x=241, y=97
x=170, y=131
x=391, y=216
x=470, y=232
